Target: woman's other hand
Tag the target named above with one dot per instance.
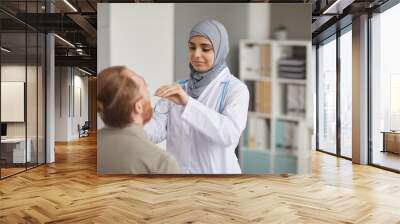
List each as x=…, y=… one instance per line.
x=173, y=92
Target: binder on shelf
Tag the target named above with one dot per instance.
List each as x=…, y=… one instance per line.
x=292, y=75
x=251, y=60
x=280, y=136
x=286, y=136
x=257, y=60
x=260, y=96
x=292, y=69
x=294, y=103
x=292, y=65
x=261, y=133
x=252, y=91
x=265, y=60
x=295, y=69
x=251, y=134
x=291, y=62
x=257, y=134
x=263, y=97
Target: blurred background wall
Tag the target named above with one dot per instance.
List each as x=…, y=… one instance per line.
x=295, y=18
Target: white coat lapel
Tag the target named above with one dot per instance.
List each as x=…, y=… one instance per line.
x=211, y=88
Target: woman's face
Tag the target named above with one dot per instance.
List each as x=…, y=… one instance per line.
x=201, y=53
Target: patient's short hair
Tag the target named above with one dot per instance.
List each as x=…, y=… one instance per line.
x=116, y=94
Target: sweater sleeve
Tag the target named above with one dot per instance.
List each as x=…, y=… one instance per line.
x=168, y=165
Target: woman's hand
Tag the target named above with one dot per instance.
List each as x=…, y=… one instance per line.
x=173, y=92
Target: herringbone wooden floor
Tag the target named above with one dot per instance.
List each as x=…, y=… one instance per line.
x=69, y=191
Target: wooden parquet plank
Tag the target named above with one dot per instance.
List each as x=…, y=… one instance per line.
x=70, y=191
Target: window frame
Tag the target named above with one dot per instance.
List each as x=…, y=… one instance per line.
x=334, y=37
x=371, y=14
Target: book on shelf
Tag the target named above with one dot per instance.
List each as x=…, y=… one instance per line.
x=251, y=87
x=297, y=69
x=263, y=97
x=292, y=68
x=286, y=135
x=292, y=75
x=291, y=62
x=294, y=97
x=251, y=60
x=260, y=96
x=256, y=135
x=265, y=60
x=257, y=60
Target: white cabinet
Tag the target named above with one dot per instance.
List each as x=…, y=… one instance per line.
x=278, y=75
x=15, y=148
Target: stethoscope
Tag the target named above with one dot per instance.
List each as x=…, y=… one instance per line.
x=225, y=84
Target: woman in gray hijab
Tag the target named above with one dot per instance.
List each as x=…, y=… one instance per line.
x=216, y=33
x=203, y=117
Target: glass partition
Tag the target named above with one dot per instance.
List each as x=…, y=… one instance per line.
x=385, y=89
x=327, y=96
x=22, y=77
x=14, y=145
x=346, y=93
x=32, y=96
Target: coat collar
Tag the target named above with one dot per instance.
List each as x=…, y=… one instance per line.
x=222, y=76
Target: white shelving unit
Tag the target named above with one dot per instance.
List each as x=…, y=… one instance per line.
x=270, y=93
x=259, y=115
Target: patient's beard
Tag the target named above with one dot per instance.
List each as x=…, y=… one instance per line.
x=147, y=112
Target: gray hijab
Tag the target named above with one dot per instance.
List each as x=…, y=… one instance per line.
x=218, y=36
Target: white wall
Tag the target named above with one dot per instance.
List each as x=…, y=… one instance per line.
x=80, y=104
x=83, y=83
x=103, y=36
x=139, y=36
x=293, y=16
x=61, y=104
x=259, y=21
x=103, y=42
x=66, y=121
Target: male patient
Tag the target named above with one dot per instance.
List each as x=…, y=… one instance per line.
x=124, y=106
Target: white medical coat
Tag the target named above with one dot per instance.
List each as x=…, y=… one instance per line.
x=201, y=139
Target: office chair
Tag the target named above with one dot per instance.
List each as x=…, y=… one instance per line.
x=84, y=130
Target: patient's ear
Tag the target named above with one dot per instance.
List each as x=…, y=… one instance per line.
x=138, y=107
